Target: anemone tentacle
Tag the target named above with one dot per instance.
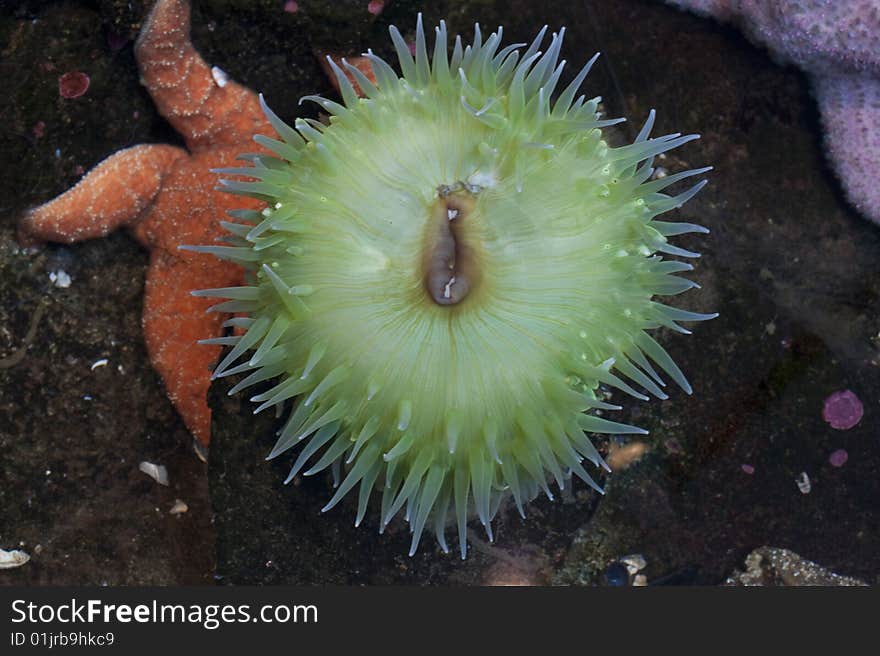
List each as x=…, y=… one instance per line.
x=451, y=361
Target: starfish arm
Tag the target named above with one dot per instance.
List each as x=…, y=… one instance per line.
x=200, y=102
x=850, y=108
x=114, y=193
x=174, y=320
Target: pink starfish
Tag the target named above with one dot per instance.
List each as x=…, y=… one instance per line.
x=837, y=42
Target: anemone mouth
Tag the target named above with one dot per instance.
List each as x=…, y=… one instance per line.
x=444, y=275
x=451, y=266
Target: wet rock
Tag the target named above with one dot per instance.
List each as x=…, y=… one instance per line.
x=771, y=566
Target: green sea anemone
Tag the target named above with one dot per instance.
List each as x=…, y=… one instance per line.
x=445, y=274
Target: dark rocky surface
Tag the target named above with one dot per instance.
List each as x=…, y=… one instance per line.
x=792, y=270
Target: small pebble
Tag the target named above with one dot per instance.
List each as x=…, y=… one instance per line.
x=157, y=472
x=179, y=507
x=221, y=77
x=634, y=563
x=60, y=278
x=291, y=6
x=838, y=458
x=748, y=469
x=13, y=558
x=842, y=410
x=803, y=483
x=616, y=574
x=622, y=456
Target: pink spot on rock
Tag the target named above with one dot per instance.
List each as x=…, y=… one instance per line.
x=748, y=469
x=375, y=7
x=116, y=41
x=838, y=458
x=842, y=410
x=291, y=6
x=39, y=129
x=73, y=84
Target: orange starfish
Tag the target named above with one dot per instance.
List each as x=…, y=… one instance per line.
x=166, y=196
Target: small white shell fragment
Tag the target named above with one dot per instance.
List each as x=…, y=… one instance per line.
x=99, y=363
x=13, y=558
x=220, y=76
x=640, y=581
x=60, y=278
x=179, y=507
x=634, y=563
x=803, y=483
x=157, y=472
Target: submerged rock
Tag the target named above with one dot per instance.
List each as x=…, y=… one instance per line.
x=771, y=566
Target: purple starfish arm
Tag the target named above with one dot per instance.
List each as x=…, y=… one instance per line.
x=837, y=43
